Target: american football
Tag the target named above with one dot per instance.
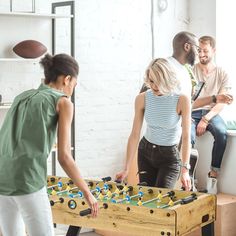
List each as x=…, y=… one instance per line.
x=29, y=49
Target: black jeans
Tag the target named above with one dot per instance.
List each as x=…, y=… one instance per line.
x=158, y=166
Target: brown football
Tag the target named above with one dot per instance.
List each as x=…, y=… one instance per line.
x=29, y=49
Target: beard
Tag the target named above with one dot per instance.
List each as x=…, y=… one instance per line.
x=191, y=57
x=204, y=61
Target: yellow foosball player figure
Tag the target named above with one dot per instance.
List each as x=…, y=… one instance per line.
x=117, y=192
x=140, y=203
x=54, y=192
x=159, y=198
x=125, y=189
x=171, y=202
x=100, y=195
x=108, y=194
x=68, y=188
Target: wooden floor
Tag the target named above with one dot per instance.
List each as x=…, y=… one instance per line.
x=61, y=230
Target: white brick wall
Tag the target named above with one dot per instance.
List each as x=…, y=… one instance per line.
x=113, y=46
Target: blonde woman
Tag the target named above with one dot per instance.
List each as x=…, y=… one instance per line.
x=168, y=116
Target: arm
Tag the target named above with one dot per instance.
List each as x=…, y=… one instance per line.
x=65, y=112
x=220, y=98
x=202, y=125
x=214, y=111
x=200, y=102
x=134, y=136
x=184, y=109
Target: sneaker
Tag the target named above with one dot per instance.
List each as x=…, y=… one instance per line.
x=211, y=185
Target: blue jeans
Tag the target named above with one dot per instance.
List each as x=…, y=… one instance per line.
x=218, y=129
x=158, y=166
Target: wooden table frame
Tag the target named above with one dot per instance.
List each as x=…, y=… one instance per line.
x=177, y=220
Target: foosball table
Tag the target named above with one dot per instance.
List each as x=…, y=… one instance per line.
x=138, y=210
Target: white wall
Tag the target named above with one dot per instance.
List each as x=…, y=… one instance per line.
x=114, y=47
x=226, y=50
x=113, y=44
x=214, y=17
x=225, y=36
x=166, y=24
x=202, y=17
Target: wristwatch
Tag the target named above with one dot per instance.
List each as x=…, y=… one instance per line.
x=214, y=99
x=186, y=166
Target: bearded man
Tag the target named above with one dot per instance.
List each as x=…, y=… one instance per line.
x=206, y=118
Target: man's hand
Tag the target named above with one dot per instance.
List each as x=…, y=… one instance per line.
x=201, y=128
x=224, y=98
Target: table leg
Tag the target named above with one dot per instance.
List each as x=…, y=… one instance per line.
x=208, y=230
x=73, y=230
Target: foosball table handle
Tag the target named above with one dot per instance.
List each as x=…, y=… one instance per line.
x=106, y=179
x=85, y=212
x=189, y=199
x=89, y=210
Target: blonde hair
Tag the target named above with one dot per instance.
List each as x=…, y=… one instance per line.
x=163, y=76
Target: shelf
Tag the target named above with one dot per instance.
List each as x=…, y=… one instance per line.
x=39, y=24
x=54, y=149
x=43, y=15
x=2, y=59
x=5, y=107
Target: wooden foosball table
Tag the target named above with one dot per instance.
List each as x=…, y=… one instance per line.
x=138, y=210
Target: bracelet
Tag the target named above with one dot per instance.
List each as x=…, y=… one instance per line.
x=205, y=120
x=187, y=166
x=214, y=99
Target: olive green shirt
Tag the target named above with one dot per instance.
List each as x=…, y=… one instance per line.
x=26, y=139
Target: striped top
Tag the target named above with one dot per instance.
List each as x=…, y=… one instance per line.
x=163, y=122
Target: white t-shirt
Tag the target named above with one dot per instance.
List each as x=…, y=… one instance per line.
x=185, y=85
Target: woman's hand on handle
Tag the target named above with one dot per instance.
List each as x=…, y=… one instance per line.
x=186, y=180
x=120, y=176
x=92, y=202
